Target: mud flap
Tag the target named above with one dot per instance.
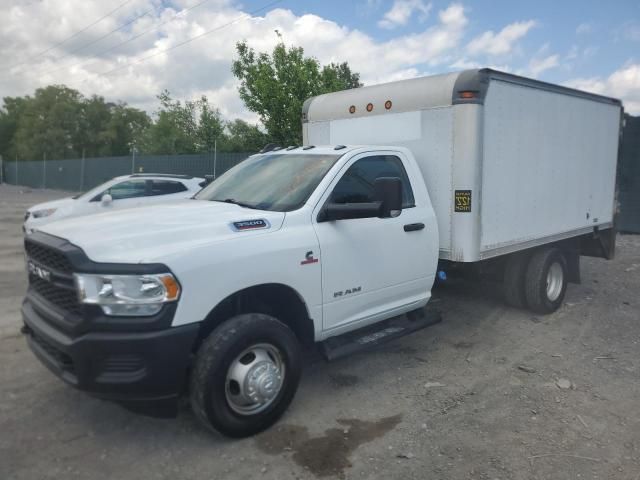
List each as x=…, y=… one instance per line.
x=600, y=243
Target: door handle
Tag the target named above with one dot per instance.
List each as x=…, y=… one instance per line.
x=413, y=227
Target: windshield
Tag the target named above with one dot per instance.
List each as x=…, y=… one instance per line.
x=276, y=182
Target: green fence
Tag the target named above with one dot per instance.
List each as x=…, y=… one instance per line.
x=76, y=175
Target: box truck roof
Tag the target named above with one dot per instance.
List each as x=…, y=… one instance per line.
x=468, y=86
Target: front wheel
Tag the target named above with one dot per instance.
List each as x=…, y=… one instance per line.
x=245, y=375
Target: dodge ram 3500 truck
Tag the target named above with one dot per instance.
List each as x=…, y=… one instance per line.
x=298, y=246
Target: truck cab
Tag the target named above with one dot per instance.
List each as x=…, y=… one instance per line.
x=219, y=294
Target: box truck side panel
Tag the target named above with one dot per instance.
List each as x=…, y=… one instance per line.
x=429, y=136
x=392, y=128
x=316, y=133
x=549, y=166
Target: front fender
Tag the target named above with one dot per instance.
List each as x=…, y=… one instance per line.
x=209, y=274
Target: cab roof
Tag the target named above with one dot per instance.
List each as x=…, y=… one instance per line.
x=327, y=149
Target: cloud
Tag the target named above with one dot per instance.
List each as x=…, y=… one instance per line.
x=465, y=64
x=402, y=10
x=577, y=54
x=203, y=66
x=584, y=28
x=624, y=83
x=138, y=70
x=539, y=65
x=630, y=31
x=501, y=43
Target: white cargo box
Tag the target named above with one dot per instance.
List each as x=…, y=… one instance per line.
x=510, y=163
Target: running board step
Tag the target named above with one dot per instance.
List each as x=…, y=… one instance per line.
x=373, y=335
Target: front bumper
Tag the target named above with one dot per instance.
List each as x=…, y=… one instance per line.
x=144, y=371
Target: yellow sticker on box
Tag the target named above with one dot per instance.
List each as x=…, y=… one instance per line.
x=462, y=201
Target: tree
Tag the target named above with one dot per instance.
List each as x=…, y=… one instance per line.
x=126, y=129
x=48, y=123
x=244, y=137
x=93, y=117
x=59, y=122
x=189, y=127
x=210, y=126
x=9, y=116
x=275, y=86
x=338, y=76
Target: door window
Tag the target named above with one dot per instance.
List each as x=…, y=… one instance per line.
x=357, y=184
x=129, y=189
x=166, y=187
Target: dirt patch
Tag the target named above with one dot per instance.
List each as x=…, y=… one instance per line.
x=462, y=345
x=341, y=380
x=327, y=455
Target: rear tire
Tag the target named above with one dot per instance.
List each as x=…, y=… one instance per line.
x=514, y=280
x=245, y=375
x=546, y=280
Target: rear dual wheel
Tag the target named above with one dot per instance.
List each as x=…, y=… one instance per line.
x=546, y=281
x=537, y=281
x=513, y=282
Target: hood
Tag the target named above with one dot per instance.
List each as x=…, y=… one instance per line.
x=147, y=234
x=62, y=206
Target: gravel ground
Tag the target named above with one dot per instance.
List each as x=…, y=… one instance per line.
x=489, y=393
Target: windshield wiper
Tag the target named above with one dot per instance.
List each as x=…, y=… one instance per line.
x=236, y=202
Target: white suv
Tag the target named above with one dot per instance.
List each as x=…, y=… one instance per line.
x=119, y=193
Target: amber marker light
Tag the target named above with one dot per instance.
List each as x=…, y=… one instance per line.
x=172, y=287
x=369, y=107
x=388, y=105
x=352, y=109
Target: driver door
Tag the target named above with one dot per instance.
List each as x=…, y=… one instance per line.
x=371, y=267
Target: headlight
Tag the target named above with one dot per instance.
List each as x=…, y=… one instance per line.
x=127, y=295
x=43, y=213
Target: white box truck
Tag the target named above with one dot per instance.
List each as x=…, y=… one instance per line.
x=335, y=243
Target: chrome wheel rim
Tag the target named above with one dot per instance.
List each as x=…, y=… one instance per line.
x=254, y=379
x=555, y=280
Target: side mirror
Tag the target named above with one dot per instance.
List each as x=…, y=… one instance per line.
x=106, y=200
x=388, y=203
x=207, y=180
x=346, y=211
x=388, y=191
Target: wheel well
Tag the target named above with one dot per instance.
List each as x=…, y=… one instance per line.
x=277, y=300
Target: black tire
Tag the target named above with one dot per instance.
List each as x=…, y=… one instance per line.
x=538, y=299
x=216, y=354
x=514, y=278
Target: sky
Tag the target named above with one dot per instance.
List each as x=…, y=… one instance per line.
x=132, y=50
